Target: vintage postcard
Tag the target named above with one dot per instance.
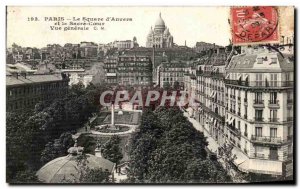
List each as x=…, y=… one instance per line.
x=150, y=95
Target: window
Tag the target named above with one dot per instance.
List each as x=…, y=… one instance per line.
x=273, y=81
x=273, y=98
x=258, y=98
x=258, y=115
x=259, y=79
x=289, y=95
x=287, y=76
x=273, y=132
x=246, y=130
x=273, y=115
x=258, y=131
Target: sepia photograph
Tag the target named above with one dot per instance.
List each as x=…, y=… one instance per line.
x=150, y=95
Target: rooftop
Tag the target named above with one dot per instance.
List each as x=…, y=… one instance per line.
x=12, y=80
x=64, y=169
x=283, y=62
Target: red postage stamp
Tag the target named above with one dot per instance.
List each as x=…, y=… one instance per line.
x=254, y=25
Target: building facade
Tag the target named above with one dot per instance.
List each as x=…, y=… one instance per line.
x=111, y=69
x=247, y=102
x=25, y=91
x=172, y=74
x=160, y=36
x=125, y=44
x=134, y=70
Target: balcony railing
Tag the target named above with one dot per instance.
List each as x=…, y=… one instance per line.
x=235, y=131
x=260, y=119
x=274, y=119
x=260, y=84
x=290, y=119
x=264, y=156
x=258, y=104
x=266, y=139
x=274, y=103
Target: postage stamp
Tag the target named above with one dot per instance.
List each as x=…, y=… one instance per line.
x=254, y=25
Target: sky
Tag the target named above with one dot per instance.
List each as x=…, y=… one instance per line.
x=190, y=24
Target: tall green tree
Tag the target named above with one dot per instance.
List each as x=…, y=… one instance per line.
x=168, y=149
x=111, y=149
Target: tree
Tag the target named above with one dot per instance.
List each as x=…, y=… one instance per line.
x=111, y=149
x=88, y=175
x=57, y=148
x=228, y=157
x=96, y=176
x=168, y=149
x=16, y=150
x=27, y=176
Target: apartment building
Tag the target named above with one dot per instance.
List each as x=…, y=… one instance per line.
x=247, y=102
x=134, y=70
x=110, y=67
x=24, y=91
x=172, y=74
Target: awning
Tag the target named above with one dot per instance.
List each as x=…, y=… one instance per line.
x=240, y=156
x=212, y=119
x=227, y=76
x=215, y=122
x=263, y=166
x=245, y=164
x=211, y=94
x=246, y=76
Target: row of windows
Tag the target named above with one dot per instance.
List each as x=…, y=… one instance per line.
x=33, y=89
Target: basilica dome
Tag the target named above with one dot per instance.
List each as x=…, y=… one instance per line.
x=160, y=23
